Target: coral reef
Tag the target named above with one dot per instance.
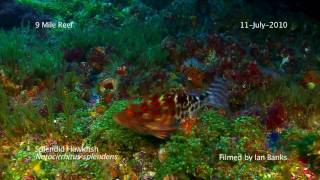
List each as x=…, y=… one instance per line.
x=164, y=89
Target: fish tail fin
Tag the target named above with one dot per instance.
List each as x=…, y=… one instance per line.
x=217, y=94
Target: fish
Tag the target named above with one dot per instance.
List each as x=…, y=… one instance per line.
x=122, y=70
x=217, y=95
x=161, y=115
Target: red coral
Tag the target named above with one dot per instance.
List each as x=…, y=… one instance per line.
x=73, y=54
x=108, y=86
x=44, y=111
x=233, y=74
x=252, y=70
x=97, y=58
x=265, y=56
x=250, y=74
x=225, y=64
x=234, y=51
x=217, y=43
x=58, y=107
x=254, y=50
x=160, y=75
x=108, y=98
x=122, y=70
x=191, y=45
x=276, y=116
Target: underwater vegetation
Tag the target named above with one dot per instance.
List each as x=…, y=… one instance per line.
x=299, y=104
x=107, y=131
x=19, y=63
x=158, y=90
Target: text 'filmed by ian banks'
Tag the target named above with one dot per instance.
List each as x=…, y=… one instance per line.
x=253, y=157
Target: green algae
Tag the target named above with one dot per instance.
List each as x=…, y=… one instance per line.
x=293, y=94
x=197, y=155
x=27, y=162
x=137, y=45
x=19, y=62
x=105, y=130
x=4, y=108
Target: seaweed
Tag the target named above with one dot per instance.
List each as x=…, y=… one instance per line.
x=293, y=94
x=105, y=130
x=64, y=87
x=20, y=62
x=10, y=53
x=4, y=109
x=139, y=43
x=84, y=37
x=74, y=10
x=301, y=101
x=197, y=155
x=30, y=165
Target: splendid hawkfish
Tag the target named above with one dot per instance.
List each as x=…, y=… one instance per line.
x=160, y=115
